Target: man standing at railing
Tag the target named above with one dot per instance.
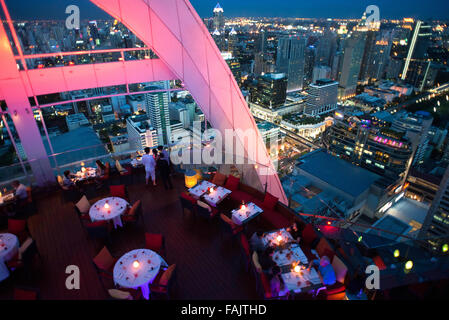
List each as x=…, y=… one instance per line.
x=150, y=166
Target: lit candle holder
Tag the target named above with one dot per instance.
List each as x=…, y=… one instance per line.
x=83, y=169
x=106, y=206
x=279, y=238
x=136, y=264
x=297, y=268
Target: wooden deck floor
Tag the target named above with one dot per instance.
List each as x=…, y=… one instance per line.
x=208, y=266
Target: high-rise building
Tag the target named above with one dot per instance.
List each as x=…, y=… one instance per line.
x=218, y=18
x=309, y=63
x=417, y=63
x=321, y=72
x=290, y=60
x=157, y=110
x=380, y=57
x=269, y=90
x=322, y=97
x=260, y=44
x=140, y=132
x=416, y=128
x=435, y=229
x=351, y=64
x=326, y=48
x=383, y=151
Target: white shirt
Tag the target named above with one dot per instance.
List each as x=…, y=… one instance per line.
x=148, y=162
x=21, y=192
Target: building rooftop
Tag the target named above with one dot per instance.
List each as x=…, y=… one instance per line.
x=339, y=173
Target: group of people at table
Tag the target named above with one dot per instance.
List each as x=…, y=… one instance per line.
x=153, y=160
x=280, y=258
x=278, y=252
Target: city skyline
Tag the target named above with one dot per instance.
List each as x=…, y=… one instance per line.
x=439, y=10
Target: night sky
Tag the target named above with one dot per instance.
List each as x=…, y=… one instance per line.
x=430, y=9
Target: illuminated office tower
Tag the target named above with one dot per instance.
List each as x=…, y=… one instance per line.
x=290, y=60
x=157, y=110
x=351, y=64
x=269, y=90
x=218, y=18
x=417, y=62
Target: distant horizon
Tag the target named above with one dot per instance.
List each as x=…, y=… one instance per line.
x=436, y=10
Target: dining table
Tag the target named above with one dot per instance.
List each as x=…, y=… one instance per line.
x=9, y=247
x=215, y=195
x=245, y=213
x=85, y=174
x=109, y=209
x=137, y=269
x=201, y=188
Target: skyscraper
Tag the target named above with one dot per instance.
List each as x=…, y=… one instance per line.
x=417, y=64
x=269, y=90
x=326, y=48
x=352, y=62
x=322, y=97
x=157, y=110
x=290, y=60
x=218, y=19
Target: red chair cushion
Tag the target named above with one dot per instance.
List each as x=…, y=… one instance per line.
x=21, y=294
x=118, y=191
x=153, y=241
x=275, y=219
x=232, y=183
x=240, y=196
x=16, y=226
x=97, y=224
x=219, y=179
x=308, y=234
x=270, y=201
x=188, y=197
x=245, y=244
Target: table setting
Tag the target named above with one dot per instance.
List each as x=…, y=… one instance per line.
x=201, y=188
x=9, y=246
x=245, y=213
x=137, y=269
x=109, y=209
x=215, y=195
x=277, y=238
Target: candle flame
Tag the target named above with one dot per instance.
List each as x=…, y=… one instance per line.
x=106, y=206
x=297, y=268
x=136, y=264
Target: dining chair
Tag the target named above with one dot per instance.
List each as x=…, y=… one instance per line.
x=104, y=263
x=19, y=228
x=155, y=242
x=119, y=191
x=228, y=226
x=187, y=202
x=205, y=211
x=163, y=283
x=134, y=213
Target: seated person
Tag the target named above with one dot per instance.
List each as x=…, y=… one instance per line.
x=67, y=180
x=20, y=191
x=256, y=241
x=101, y=168
x=266, y=260
x=295, y=232
x=325, y=270
x=277, y=284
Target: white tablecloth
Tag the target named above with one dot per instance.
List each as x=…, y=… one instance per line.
x=270, y=239
x=240, y=216
x=9, y=246
x=201, y=188
x=127, y=276
x=117, y=207
x=88, y=174
x=296, y=281
x=290, y=255
x=217, y=196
